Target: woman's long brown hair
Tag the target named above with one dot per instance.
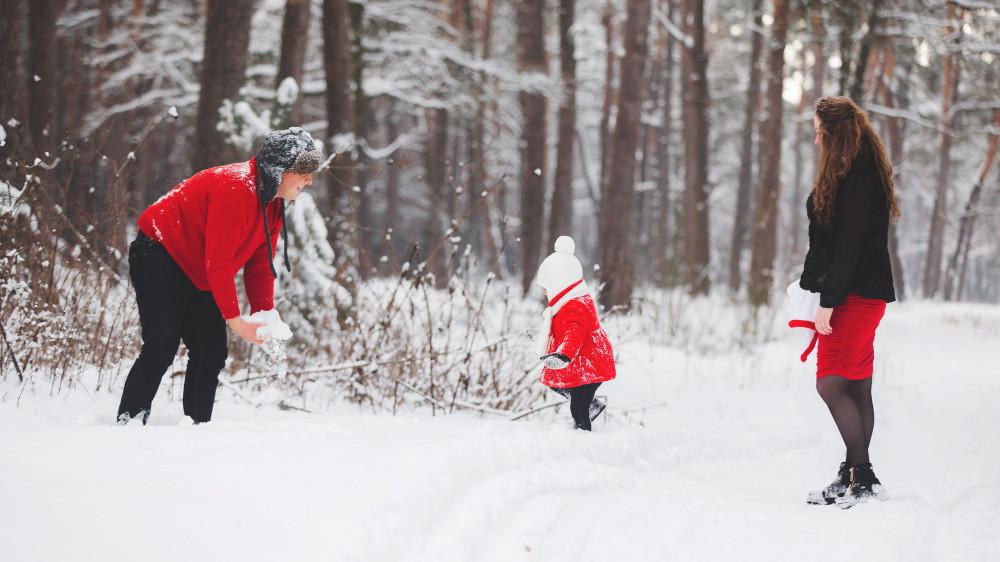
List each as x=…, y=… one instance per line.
x=847, y=133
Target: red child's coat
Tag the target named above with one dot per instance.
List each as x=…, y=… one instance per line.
x=576, y=333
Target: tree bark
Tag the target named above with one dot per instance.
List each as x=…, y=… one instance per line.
x=227, y=36
x=339, y=202
x=435, y=151
x=956, y=265
x=13, y=101
x=763, y=237
x=479, y=229
x=294, y=39
x=897, y=134
x=617, y=223
x=392, y=182
x=43, y=81
x=365, y=216
x=857, y=89
x=607, y=20
x=561, y=217
x=939, y=216
x=695, y=117
x=741, y=219
x=818, y=69
x=664, y=162
x=532, y=58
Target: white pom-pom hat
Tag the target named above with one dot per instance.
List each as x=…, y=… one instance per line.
x=561, y=269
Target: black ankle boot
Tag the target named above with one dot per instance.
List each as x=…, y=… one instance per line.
x=125, y=417
x=835, y=490
x=596, y=407
x=864, y=486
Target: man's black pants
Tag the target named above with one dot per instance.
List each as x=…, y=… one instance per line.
x=171, y=308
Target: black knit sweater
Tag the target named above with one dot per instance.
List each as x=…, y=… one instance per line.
x=852, y=254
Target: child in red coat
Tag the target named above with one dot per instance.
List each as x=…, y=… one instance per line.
x=578, y=355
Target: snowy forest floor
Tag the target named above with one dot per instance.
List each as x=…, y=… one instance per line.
x=698, y=457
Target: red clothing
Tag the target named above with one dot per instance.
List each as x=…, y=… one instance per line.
x=850, y=351
x=212, y=225
x=577, y=334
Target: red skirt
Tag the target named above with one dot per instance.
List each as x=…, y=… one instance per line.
x=849, y=351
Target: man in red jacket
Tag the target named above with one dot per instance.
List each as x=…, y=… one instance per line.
x=190, y=246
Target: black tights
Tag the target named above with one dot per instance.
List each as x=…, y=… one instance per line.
x=580, y=398
x=850, y=403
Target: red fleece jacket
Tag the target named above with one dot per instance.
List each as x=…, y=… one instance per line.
x=211, y=224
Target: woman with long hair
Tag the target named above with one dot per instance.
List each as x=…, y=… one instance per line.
x=850, y=207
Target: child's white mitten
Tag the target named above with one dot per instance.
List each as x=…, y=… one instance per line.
x=555, y=360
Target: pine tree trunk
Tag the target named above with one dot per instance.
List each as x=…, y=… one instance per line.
x=939, y=216
x=897, y=133
x=480, y=231
x=857, y=89
x=818, y=69
x=665, y=259
x=532, y=58
x=392, y=182
x=42, y=16
x=365, y=238
x=227, y=36
x=956, y=265
x=294, y=39
x=617, y=223
x=741, y=219
x=609, y=91
x=13, y=100
x=695, y=87
x=561, y=217
x=339, y=202
x=796, y=219
x=436, y=156
x=763, y=234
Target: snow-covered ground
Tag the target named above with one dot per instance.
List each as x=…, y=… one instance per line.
x=697, y=458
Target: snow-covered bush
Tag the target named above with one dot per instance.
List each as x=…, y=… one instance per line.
x=405, y=344
x=63, y=311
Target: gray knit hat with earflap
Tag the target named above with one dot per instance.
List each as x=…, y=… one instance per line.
x=286, y=150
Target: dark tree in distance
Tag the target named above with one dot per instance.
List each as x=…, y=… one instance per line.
x=42, y=16
x=664, y=247
x=561, y=213
x=13, y=99
x=294, y=39
x=763, y=243
x=223, y=73
x=694, y=62
x=339, y=203
x=531, y=57
x=741, y=219
x=617, y=220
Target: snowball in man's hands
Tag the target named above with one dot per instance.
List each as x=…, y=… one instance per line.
x=273, y=328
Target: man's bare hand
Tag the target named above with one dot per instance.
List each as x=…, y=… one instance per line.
x=245, y=330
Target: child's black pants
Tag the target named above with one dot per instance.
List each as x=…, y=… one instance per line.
x=580, y=398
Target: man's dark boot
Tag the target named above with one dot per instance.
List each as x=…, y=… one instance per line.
x=125, y=417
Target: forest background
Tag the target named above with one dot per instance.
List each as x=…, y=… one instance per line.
x=672, y=139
